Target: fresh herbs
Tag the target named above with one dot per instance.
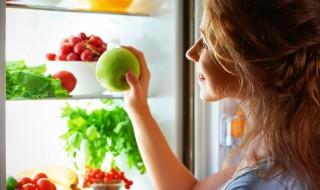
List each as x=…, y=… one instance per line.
x=91, y=135
x=23, y=82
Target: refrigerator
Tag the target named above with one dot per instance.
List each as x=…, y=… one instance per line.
x=200, y=134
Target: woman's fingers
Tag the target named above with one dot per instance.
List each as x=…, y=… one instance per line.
x=145, y=73
x=136, y=98
x=133, y=82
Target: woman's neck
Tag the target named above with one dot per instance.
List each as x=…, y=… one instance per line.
x=255, y=152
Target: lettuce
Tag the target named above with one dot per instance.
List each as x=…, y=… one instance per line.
x=23, y=82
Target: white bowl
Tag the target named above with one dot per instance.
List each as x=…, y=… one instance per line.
x=87, y=84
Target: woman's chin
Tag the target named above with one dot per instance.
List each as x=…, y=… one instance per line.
x=206, y=97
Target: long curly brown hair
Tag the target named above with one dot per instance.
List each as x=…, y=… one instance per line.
x=273, y=46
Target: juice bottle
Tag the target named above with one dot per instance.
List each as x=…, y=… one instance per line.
x=231, y=132
x=238, y=125
x=106, y=5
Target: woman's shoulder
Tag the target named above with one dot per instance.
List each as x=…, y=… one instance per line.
x=249, y=179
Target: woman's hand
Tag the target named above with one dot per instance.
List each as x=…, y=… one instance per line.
x=135, y=100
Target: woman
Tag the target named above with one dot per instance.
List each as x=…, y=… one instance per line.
x=266, y=54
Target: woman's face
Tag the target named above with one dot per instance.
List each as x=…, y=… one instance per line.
x=215, y=83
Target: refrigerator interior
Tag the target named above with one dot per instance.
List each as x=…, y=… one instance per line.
x=33, y=127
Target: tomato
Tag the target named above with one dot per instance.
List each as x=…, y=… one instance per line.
x=51, y=56
x=23, y=181
x=66, y=48
x=86, y=55
x=45, y=184
x=61, y=57
x=82, y=35
x=39, y=176
x=68, y=80
x=29, y=186
x=53, y=187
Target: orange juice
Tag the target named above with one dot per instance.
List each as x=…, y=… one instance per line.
x=107, y=5
x=238, y=125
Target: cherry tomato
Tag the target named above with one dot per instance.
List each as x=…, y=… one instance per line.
x=96, y=41
x=72, y=57
x=82, y=35
x=68, y=80
x=45, y=184
x=23, y=181
x=86, y=55
x=61, y=57
x=29, y=186
x=79, y=48
x=127, y=186
x=53, y=187
x=73, y=40
x=51, y=56
x=102, y=49
x=121, y=175
x=39, y=176
x=66, y=48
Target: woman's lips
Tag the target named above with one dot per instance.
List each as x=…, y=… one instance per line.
x=201, y=77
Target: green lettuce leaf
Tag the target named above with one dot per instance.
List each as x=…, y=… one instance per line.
x=23, y=82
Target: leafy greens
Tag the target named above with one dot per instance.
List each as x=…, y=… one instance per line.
x=100, y=131
x=24, y=82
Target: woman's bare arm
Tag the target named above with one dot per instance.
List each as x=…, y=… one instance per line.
x=166, y=172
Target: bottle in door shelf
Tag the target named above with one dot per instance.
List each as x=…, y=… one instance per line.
x=238, y=125
x=232, y=129
x=231, y=132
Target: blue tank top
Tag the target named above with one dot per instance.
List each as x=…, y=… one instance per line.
x=249, y=179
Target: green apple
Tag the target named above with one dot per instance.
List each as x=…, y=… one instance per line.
x=112, y=67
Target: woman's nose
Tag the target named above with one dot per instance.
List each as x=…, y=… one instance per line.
x=193, y=54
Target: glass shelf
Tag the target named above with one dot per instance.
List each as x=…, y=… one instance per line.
x=41, y=5
x=78, y=97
